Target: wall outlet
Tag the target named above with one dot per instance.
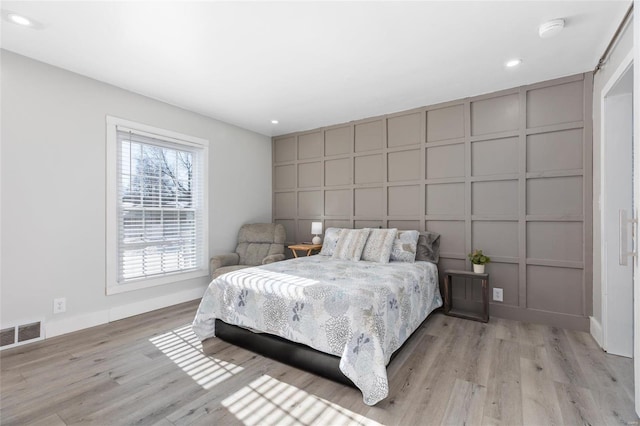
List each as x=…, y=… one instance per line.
x=59, y=305
x=497, y=294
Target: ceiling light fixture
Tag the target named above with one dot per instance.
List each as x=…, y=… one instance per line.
x=513, y=63
x=274, y=121
x=20, y=20
x=550, y=28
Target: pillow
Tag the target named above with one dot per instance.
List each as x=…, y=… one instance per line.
x=379, y=244
x=405, y=246
x=330, y=240
x=350, y=244
x=428, y=247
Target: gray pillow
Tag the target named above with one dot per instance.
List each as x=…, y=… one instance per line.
x=330, y=241
x=379, y=245
x=350, y=244
x=428, y=247
x=405, y=246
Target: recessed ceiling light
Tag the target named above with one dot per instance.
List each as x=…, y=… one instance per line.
x=19, y=19
x=513, y=63
x=274, y=121
x=551, y=28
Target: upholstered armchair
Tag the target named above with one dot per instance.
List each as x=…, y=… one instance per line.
x=258, y=244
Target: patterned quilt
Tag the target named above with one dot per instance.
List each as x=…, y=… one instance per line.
x=359, y=311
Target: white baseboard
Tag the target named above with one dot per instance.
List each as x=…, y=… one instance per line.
x=80, y=322
x=595, y=328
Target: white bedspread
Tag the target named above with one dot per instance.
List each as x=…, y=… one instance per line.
x=359, y=311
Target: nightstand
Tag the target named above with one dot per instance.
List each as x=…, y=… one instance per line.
x=309, y=248
x=451, y=311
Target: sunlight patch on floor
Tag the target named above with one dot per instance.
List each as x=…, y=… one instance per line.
x=183, y=347
x=269, y=401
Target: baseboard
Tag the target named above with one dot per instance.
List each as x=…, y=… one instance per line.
x=81, y=322
x=595, y=328
x=571, y=322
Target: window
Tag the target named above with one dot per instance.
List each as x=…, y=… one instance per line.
x=156, y=206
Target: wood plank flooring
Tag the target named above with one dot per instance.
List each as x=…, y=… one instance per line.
x=152, y=370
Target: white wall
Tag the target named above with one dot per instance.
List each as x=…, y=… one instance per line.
x=53, y=193
x=622, y=48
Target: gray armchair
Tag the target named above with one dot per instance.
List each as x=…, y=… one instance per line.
x=258, y=244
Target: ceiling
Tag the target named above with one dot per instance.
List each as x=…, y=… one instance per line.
x=312, y=64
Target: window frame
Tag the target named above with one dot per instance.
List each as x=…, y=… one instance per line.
x=113, y=284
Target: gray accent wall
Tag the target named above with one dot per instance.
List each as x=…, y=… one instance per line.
x=508, y=172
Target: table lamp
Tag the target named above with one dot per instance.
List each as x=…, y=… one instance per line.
x=316, y=228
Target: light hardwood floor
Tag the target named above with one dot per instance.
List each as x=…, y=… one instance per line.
x=151, y=369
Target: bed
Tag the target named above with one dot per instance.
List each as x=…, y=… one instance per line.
x=358, y=311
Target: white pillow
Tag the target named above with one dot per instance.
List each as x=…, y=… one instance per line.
x=350, y=244
x=405, y=246
x=379, y=245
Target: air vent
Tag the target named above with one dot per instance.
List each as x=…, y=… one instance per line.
x=20, y=334
x=28, y=331
x=7, y=336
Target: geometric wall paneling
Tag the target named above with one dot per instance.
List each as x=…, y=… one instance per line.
x=452, y=240
x=445, y=123
x=561, y=150
x=495, y=198
x=555, y=289
x=555, y=104
x=310, y=146
x=336, y=223
x=284, y=177
x=504, y=276
x=359, y=224
x=449, y=263
x=337, y=172
x=284, y=149
x=337, y=202
x=368, y=202
x=556, y=241
x=403, y=165
x=403, y=224
x=483, y=235
x=445, y=161
x=494, y=157
x=445, y=199
x=403, y=200
x=369, y=136
x=304, y=229
x=309, y=174
x=495, y=115
x=289, y=227
x=559, y=196
x=310, y=204
x=285, y=205
x=368, y=169
x=338, y=141
x=404, y=130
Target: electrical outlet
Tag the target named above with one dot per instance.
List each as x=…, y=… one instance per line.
x=497, y=294
x=59, y=305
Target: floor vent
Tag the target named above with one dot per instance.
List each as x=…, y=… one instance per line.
x=20, y=334
x=7, y=336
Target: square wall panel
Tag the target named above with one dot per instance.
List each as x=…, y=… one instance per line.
x=444, y=264
x=285, y=204
x=445, y=161
x=337, y=172
x=290, y=229
x=403, y=165
x=555, y=104
x=309, y=174
x=404, y=225
x=445, y=123
x=368, y=169
x=494, y=157
x=445, y=199
x=368, y=224
x=403, y=200
x=369, y=136
x=499, y=198
x=336, y=223
x=368, y=202
x=338, y=202
x=310, y=204
x=555, y=289
x=452, y=239
x=338, y=141
x=554, y=151
x=495, y=115
x=285, y=149
x=404, y=130
x=304, y=230
x=504, y=276
x=310, y=145
x=284, y=177
x=555, y=196
x=495, y=238
x=555, y=241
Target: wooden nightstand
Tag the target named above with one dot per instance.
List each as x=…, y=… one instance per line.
x=309, y=248
x=449, y=310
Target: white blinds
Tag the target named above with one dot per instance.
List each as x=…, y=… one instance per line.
x=160, y=206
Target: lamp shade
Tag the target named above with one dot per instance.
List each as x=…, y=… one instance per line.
x=316, y=228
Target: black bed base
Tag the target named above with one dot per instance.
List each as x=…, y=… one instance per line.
x=288, y=352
